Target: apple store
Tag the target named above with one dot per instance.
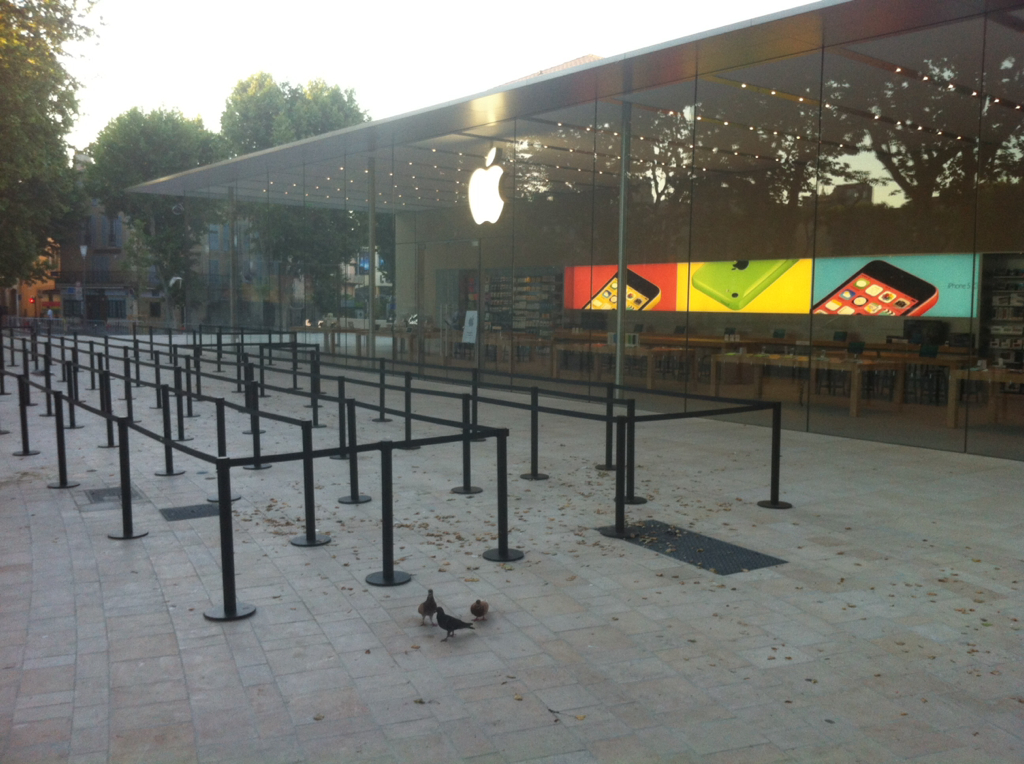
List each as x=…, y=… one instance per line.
x=822, y=207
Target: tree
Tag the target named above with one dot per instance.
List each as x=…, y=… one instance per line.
x=136, y=147
x=39, y=199
x=261, y=113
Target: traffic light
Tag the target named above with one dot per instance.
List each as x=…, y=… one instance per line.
x=31, y=300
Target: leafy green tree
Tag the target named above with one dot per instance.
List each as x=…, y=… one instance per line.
x=39, y=199
x=136, y=147
x=261, y=112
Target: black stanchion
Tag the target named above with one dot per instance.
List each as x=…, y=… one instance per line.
x=295, y=365
x=220, y=349
x=311, y=537
x=47, y=392
x=222, y=442
x=127, y=527
x=169, y=471
x=71, y=375
x=389, y=576
x=129, y=403
x=252, y=400
x=382, y=417
x=151, y=343
x=138, y=366
x=157, y=383
x=63, y=358
x=26, y=450
x=263, y=376
x=314, y=389
x=197, y=361
x=609, y=418
x=631, y=497
x=238, y=368
x=62, y=454
x=188, y=388
x=474, y=391
x=106, y=406
x=407, y=446
x=92, y=365
x=2, y=431
x=354, y=496
x=466, y=488
x=774, y=502
x=179, y=406
x=252, y=403
x=233, y=610
x=25, y=372
x=3, y=372
x=502, y=553
x=533, y=474
x=341, y=417
x=619, y=529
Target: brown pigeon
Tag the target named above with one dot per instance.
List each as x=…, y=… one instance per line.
x=450, y=624
x=427, y=608
x=479, y=610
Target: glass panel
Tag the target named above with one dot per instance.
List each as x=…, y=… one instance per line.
x=894, y=284
x=991, y=401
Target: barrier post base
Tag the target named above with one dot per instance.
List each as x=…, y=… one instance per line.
x=466, y=490
x=534, y=476
x=397, y=578
x=634, y=500
x=360, y=499
x=169, y=474
x=510, y=555
x=66, y=485
x=252, y=467
x=216, y=499
x=610, y=532
x=122, y=537
x=768, y=504
x=242, y=610
x=320, y=540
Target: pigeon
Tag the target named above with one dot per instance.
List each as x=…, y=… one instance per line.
x=428, y=607
x=450, y=624
x=479, y=610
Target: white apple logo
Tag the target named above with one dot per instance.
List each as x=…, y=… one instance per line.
x=485, y=200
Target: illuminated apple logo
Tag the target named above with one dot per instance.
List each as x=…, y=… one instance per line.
x=485, y=200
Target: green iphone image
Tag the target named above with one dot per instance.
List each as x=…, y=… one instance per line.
x=736, y=283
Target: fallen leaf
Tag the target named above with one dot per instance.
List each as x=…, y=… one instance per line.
x=318, y=718
x=580, y=717
x=517, y=697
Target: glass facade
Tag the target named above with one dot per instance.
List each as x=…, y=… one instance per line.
x=833, y=223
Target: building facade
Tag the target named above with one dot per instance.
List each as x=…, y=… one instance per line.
x=822, y=207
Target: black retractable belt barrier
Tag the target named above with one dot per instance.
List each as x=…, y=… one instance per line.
x=62, y=455
x=71, y=375
x=129, y=404
x=169, y=471
x=25, y=372
x=157, y=383
x=533, y=474
x=3, y=375
x=233, y=610
x=106, y=406
x=631, y=497
x=23, y=409
x=382, y=417
x=47, y=392
x=502, y=553
x=388, y=576
x=407, y=446
x=341, y=417
x=63, y=358
x=180, y=409
x=311, y=537
x=466, y=488
x=2, y=431
x=190, y=413
x=138, y=365
x=619, y=529
x=238, y=368
x=295, y=365
x=222, y=443
x=474, y=391
x=263, y=376
x=220, y=349
x=92, y=365
x=354, y=496
x=773, y=502
x=252, y=400
x=609, y=418
x=127, y=526
x=252, y=403
x=151, y=343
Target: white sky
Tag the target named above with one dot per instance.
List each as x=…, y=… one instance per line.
x=399, y=56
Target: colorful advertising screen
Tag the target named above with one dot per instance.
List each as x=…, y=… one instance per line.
x=904, y=285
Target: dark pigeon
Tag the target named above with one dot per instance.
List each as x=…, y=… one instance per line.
x=450, y=624
x=428, y=607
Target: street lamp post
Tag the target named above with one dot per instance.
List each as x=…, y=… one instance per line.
x=84, y=249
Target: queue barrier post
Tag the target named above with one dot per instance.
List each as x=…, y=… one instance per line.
x=533, y=474
x=169, y=471
x=466, y=488
x=502, y=553
x=222, y=443
x=631, y=497
x=354, y=496
x=233, y=610
x=382, y=417
x=619, y=529
x=609, y=419
x=62, y=454
x=26, y=450
x=341, y=418
x=311, y=537
x=124, y=457
x=388, y=576
x=773, y=502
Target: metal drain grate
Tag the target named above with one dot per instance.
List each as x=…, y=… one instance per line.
x=712, y=555
x=104, y=495
x=190, y=512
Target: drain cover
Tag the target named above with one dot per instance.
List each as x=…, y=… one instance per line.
x=712, y=555
x=191, y=512
x=103, y=495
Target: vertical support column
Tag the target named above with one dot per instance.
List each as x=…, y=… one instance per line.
x=311, y=537
x=124, y=453
x=773, y=502
x=388, y=576
x=502, y=553
x=233, y=610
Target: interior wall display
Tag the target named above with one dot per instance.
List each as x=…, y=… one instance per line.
x=901, y=285
x=648, y=287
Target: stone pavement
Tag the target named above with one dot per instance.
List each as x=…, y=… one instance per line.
x=892, y=633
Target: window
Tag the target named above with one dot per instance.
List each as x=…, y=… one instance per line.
x=154, y=310
x=116, y=308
